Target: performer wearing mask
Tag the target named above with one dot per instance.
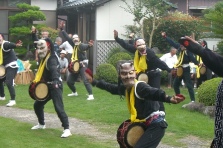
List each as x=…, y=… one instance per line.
x=215, y=63
x=142, y=101
x=8, y=63
x=79, y=51
x=145, y=61
x=183, y=62
x=208, y=74
x=49, y=72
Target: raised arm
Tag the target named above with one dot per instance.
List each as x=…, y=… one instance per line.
x=33, y=33
x=212, y=60
x=66, y=36
x=170, y=41
x=131, y=48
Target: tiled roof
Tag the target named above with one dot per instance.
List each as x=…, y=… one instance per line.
x=72, y=3
x=78, y=3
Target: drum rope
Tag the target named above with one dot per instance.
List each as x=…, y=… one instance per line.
x=198, y=67
x=140, y=62
x=181, y=57
x=74, y=54
x=41, y=69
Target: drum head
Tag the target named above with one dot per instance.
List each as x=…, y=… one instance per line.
x=203, y=70
x=2, y=72
x=41, y=91
x=134, y=132
x=76, y=66
x=180, y=71
x=143, y=77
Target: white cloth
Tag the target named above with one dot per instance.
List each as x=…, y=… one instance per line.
x=67, y=47
x=169, y=60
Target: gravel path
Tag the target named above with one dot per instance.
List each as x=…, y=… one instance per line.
x=83, y=128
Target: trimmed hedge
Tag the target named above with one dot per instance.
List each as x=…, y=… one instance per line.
x=207, y=91
x=113, y=60
x=106, y=72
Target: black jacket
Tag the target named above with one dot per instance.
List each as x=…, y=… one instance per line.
x=212, y=60
x=8, y=53
x=81, y=53
x=150, y=95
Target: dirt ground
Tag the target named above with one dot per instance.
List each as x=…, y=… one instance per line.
x=83, y=128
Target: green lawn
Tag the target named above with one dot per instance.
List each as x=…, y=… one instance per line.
x=105, y=111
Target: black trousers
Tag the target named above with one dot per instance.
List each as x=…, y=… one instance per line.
x=187, y=80
x=154, y=81
x=8, y=79
x=152, y=136
x=56, y=96
x=72, y=78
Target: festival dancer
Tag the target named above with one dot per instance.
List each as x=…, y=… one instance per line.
x=49, y=72
x=145, y=61
x=78, y=55
x=183, y=61
x=142, y=101
x=215, y=63
x=8, y=61
x=208, y=74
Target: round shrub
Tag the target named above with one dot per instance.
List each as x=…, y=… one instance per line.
x=20, y=52
x=113, y=60
x=106, y=72
x=207, y=91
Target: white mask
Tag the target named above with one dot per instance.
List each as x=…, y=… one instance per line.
x=42, y=48
x=127, y=74
x=141, y=46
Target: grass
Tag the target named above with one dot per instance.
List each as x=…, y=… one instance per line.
x=106, y=112
x=14, y=134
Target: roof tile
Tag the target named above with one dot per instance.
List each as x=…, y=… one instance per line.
x=78, y=2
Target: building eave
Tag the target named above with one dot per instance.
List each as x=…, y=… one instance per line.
x=78, y=4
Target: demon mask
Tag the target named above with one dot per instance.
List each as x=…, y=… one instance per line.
x=127, y=74
x=42, y=48
x=141, y=46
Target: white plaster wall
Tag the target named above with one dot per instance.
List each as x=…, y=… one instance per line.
x=45, y=4
x=212, y=43
x=111, y=16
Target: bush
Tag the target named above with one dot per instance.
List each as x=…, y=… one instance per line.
x=114, y=51
x=176, y=25
x=20, y=52
x=220, y=47
x=164, y=77
x=207, y=91
x=113, y=60
x=33, y=66
x=106, y=72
